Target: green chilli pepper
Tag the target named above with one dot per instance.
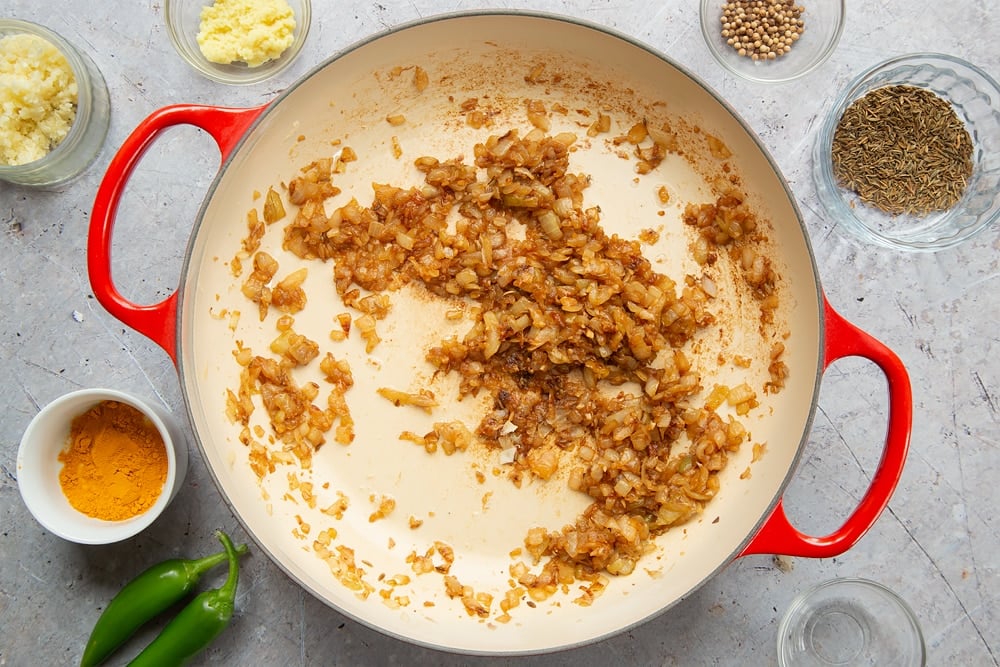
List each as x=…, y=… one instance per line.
x=197, y=624
x=146, y=596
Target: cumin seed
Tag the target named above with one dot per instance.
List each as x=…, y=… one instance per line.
x=903, y=149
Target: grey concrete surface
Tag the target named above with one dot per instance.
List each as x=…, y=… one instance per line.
x=937, y=545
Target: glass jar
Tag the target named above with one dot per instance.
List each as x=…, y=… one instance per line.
x=83, y=142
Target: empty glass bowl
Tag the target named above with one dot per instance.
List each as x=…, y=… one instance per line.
x=824, y=23
x=975, y=98
x=183, y=18
x=850, y=622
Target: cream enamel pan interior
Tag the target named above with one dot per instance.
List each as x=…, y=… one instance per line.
x=475, y=57
x=345, y=103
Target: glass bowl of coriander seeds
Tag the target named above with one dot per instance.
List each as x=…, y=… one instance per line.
x=909, y=156
x=772, y=41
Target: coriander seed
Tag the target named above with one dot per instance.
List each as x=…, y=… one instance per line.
x=762, y=29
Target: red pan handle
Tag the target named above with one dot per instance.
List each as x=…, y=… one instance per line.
x=778, y=535
x=156, y=321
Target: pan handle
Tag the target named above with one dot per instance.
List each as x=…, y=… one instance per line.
x=156, y=321
x=778, y=535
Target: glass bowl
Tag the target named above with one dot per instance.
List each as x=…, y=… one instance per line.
x=975, y=98
x=850, y=622
x=824, y=23
x=81, y=145
x=39, y=467
x=183, y=18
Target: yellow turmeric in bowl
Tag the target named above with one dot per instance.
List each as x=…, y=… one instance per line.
x=115, y=465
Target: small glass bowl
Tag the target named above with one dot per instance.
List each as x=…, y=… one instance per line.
x=850, y=622
x=183, y=19
x=824, y=23
x=38, y=468
x=80, y=147
x=975, y=97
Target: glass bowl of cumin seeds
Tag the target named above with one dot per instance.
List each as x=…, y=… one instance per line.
x=909, y=156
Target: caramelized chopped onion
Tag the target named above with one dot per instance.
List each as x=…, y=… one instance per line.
x=575, y=338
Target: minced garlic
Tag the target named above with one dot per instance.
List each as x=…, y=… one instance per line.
x=38, y=95
x=248, y=31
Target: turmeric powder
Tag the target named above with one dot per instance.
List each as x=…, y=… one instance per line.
x=115, y=463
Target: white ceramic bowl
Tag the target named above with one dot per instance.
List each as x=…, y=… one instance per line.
x=824, y=24
x=183, y=19
x=38, y=468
